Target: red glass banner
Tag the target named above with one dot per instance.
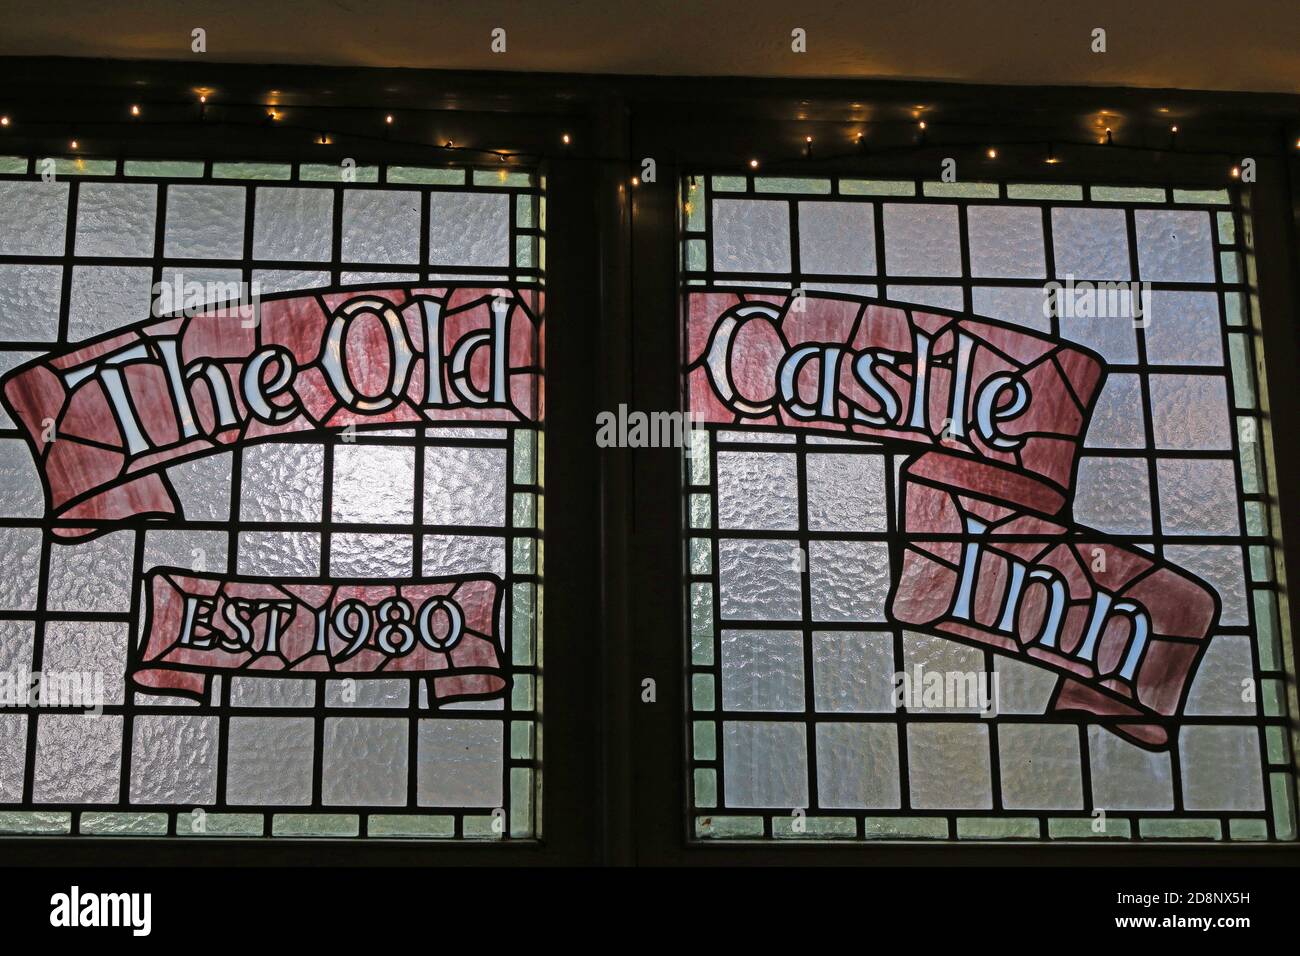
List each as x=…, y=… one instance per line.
x=442, y=629
x=987, y=554
x=104, y=418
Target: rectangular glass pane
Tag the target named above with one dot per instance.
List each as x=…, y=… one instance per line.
x=979, y=540
x=272, y=501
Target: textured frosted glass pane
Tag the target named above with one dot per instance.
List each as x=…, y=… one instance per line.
x=1113, y=495
x=759, y=579
x=846, y=492
x=762, y=670
x=272, y=692
x=105, y=298
x=78, y=759
x=1018, y=306
x=1190, y=411
x=289, y=280
x=22, y=550
x=204, y=285
x=857, y=766
x=757, y=490
x=1023, y=688
x=196, y=550
x=837, y=238
x=853, y=671
x=13, y=756
x=374, y=484
x=279, y=552
x=1113, y=337
x=92, y=575
x=463, y=554
x=282, y=482
x=1175, y=245
x=1005, y=241
x=269, y=760
x=174, y=759
x=1116, y=422
x=1221, y=567
x=20, y=486
x=469, y=229
x=751, y=235
x=34, y=216
x=293, y=224
x=459, y=763
x=1197, y=497
x=765, y=764
x=939, y=655
x=921, y=240
x=1125, y=776
x=465, y=486
x=364, y=761
x=203, y=486
x=369, y=693
x=371, y=555
x=380, y=226
x=116, y=219
x=1090, y=243
x=938, y=296
x=1222, y=677
x=96, y=650
x=205, y=222
x=1183, y=329
x=1221, y=768
x=1040, y=767
x=29, y=302
x=849, y=580
x=948, y=766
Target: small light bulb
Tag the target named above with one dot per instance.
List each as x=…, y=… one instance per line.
x=921, y=124
x=135, y=109
x=807, y=139
x=389, y=119
x=1173, y=129
x=565, y=139
x=273, y=114
x=203, y=97
x=1235, y=172
x=74, y=146
x=993, y=153
x=636, y=181
x=753, y=164
x=4, y=121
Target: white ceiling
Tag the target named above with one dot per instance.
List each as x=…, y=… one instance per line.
x=1245, y=45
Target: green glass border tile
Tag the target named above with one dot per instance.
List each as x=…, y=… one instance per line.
x=728, y=827
x=814, y=828
x=792, y=184
x=705, y=791
x=501, y=177
x=960, y=190
x=76, y=166
x=483, y=827
x=1144, y=194
x=905, y=828
x=1279, y=744
x=412, y=825
x=704, y=740
x=333, y=173
x=1283, y=788
x=997, y=828
x=729, y=184
x=1247, y=830
x=168, y=168
x=877, y=187
x=109, y=823
x=35, y=821
x=13, y=164
x=425, y=176
x=1201, y=197
x=521, y=802
x=222, y=824
x=1081, y=828
x=252, y=171
x=316, y=825
x=1175, y=829
x=1060, y=192
x=702, y=693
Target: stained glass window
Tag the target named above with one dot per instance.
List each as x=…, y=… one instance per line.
x=270, y=499
x=979, y=541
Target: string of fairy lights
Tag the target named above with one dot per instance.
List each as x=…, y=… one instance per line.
x=856, y=143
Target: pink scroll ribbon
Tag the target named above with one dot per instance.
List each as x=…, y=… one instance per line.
x=989, y=556
x=105, y=418
x=442, y=629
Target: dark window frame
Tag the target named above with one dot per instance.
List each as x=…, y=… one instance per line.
x=614, y=767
